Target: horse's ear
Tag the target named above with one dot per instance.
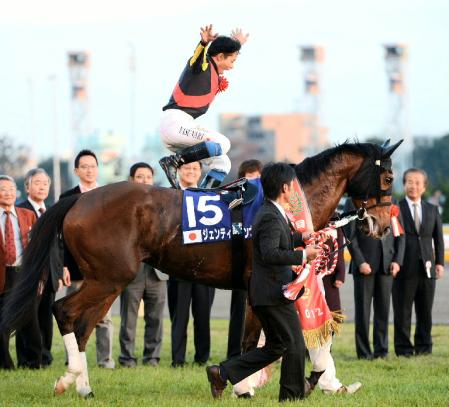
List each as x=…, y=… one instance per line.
x=385, y=144
x=386, y=153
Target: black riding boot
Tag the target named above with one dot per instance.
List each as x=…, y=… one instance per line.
x=171, y=163
x=213, y=179
x=209, y=182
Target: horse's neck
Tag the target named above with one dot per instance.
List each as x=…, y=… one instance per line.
x=325, y=192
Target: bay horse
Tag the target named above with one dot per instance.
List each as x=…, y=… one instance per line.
x=111, y=229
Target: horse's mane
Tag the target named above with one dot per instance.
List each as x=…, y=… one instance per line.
x=308, y=170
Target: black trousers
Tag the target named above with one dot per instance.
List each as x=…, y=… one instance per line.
x=6, y=361
x=236, y=323
x=33, y=342
x=374, y=289
x=184, y=293
x=45, y=319
x=28, y=339
x=283, y=338
x=421, y=291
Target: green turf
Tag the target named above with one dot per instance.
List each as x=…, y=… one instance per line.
x=419, y=381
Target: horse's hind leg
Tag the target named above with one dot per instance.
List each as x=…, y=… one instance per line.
x=250, y=339
x=77, y=316
x=75, y=365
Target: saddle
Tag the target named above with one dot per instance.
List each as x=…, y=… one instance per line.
x=238, y=192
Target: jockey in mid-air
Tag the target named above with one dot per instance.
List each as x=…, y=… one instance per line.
x=200, y=81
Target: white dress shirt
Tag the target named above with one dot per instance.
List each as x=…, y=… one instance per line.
x=84, y=189
x=282, y=210
x=412, y=208
x=36, y=206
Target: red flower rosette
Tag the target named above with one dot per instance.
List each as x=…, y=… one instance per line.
x=223, y=84
x=396, y=226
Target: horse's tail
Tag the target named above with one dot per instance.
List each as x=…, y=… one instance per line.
x=35, y=266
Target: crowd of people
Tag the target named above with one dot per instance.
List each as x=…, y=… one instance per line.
x=404, y=268
x=154, y=288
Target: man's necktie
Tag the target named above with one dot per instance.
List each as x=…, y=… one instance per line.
x=10, y=246
x=416, y=217
x=41, y=211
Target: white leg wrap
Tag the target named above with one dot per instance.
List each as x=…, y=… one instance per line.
x=82, y=381
x=321, y=359
x=246, y=385
x=257, y=379
x=74, y=368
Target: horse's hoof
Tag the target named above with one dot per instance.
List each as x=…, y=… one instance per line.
x=86, y=393
x=59, y=387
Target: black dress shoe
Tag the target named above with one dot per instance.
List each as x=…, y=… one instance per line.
x=365, y=357
x=217, y=384
x=404, y=355
x=307, y=388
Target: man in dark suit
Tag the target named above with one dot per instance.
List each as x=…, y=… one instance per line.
x=86, y=169
x=415, y=282
x=15, y=226
x=37, y=186
x=273, y=257
x=250, y=169
x=374, y=264
x=149, y=286
x=333, y=282
x=182, y=294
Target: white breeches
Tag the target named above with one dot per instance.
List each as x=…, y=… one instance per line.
x=179, y=130
x=321, y=359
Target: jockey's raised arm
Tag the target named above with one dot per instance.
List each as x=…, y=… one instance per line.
x=201, y=79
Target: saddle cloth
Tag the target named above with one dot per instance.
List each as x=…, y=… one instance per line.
x=206, y=217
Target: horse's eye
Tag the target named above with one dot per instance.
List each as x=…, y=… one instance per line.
x=388, y=180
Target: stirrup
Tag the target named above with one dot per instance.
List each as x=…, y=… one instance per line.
x=168, y=165
x=236, y=202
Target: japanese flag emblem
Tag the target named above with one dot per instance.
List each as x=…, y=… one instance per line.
x=192, y=236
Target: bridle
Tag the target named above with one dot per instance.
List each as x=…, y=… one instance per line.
x=366, y=184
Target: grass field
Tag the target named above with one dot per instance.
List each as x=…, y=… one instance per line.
x=420, y=381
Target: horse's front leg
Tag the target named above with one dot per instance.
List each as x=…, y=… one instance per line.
x=251, y=336
x=252, y=330
x=82, y=381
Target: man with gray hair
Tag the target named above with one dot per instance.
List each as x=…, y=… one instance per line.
x=423, y=264
x=37, y=187
x=15, y=225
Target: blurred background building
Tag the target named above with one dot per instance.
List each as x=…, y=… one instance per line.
x=397, y=123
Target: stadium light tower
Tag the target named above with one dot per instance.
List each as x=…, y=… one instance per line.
x=79, y=66
x=397, y=127
x=312, y=58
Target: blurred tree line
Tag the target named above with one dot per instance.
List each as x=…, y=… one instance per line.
x=432, y=156
x=15, y=161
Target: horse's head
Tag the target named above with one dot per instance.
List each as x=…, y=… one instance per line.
x=371, y=188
